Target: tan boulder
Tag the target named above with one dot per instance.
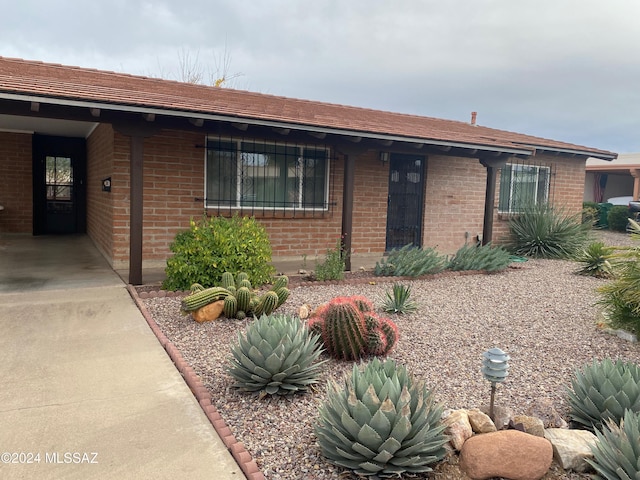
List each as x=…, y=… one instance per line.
x=572, y=448
x=458, y=427
x=508, y=454
x=531, y=425
x=480, y=422
x=208, y=312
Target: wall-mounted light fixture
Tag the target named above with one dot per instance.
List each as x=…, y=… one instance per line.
x=106, y=184
x=384, y=157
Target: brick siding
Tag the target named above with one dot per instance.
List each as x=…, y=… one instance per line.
x=16, y=184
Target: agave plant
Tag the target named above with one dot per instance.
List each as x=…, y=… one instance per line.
x=604, y=390
x=275, y=357
x=382, y=423
x=399, y=301
x=616, y=455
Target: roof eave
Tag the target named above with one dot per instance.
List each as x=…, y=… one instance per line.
x=127, y=108
x=568, y=151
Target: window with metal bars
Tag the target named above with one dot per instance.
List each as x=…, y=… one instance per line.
x=249, y=174
x=523, y=186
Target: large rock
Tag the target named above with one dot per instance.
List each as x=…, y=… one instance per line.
x=208, y=312
x=571, y=448
x=531, y=425
x=458, y=427
x=480, y=422
x=544, y=409
x=509, y=454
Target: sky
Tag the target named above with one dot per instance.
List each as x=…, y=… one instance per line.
x=568, y=70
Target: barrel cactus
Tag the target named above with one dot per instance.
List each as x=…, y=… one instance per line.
x=604, y=390
x=616, y=455
x=349, y=331
x=276, y=356
x=382, y=423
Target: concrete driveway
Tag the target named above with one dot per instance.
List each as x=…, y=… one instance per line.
x=86, y=389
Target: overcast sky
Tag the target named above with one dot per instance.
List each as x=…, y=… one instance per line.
x=562, y=69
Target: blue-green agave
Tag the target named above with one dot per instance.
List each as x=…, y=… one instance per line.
x=381, y=423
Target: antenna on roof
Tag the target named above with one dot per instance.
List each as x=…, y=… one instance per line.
x=474, y=115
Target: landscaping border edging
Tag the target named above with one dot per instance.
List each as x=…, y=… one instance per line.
x=237, y=449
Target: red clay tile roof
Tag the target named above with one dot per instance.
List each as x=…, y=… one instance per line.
x=65, y=83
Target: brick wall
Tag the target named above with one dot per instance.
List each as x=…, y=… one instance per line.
x=16, y=186
x=454, y=202
x=99, y=203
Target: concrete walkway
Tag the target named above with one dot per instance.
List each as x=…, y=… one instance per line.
x=86, y=390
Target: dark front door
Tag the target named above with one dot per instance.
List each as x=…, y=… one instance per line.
x=404, y=209
x=59, y=171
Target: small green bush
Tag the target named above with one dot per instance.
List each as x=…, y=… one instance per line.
x=410, y=261
x=590, y=213
x=542, y=231
x=216, y=245
x=332, y=268
x=616, y=454
x=399, y=300
x=596, y=260
x=618, y=217
x=480, y=257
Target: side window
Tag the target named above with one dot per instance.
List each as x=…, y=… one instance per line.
x=523, y=186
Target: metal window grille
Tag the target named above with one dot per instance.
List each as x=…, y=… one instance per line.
x=259, y=177
x=525, y=184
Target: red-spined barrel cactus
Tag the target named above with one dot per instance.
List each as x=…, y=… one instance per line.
x=349, y=331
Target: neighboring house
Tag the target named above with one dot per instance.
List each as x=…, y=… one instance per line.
x=130, y=160
x=615, y=179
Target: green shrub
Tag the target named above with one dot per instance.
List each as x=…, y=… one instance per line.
x=618, y=217
x=276, y=356
x=590, y=213
x=410, y=261
x=542, y=231
x=381, y=423
x=596, y=260
x=620, y=299
x=216, y=245
x=616, y=454
x=332, y=268
x=480, y=257
x=604, y=390
x=399, y=300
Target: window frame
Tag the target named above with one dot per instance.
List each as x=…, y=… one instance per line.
x=237, y=203
x=514, y=210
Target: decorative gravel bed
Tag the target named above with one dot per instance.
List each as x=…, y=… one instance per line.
x=540, y=313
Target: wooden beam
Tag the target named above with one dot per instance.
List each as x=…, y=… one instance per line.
x=347, y=208
x=95, y=112
x=135, y=210
x=198, y=122
x=240, y=126
x=443, y=148
x=35, y=107
x=149, y=117
x=282, y=131
x=354, y=139
x=320, y=135
x=386, y=143
x=418, y=146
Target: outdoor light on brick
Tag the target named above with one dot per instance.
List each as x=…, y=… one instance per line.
x=495, y=366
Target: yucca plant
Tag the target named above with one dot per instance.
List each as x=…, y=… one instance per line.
x=381, y=423
x=596, y=260
x=399, y=300
x=542, y=231
x=410, y=261
x=616, y=455
x=480, y=257
x=604, y=390
x=276, y=356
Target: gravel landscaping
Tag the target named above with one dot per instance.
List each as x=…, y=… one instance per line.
x=539, y=312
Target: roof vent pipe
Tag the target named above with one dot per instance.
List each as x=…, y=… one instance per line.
x=474, y=115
